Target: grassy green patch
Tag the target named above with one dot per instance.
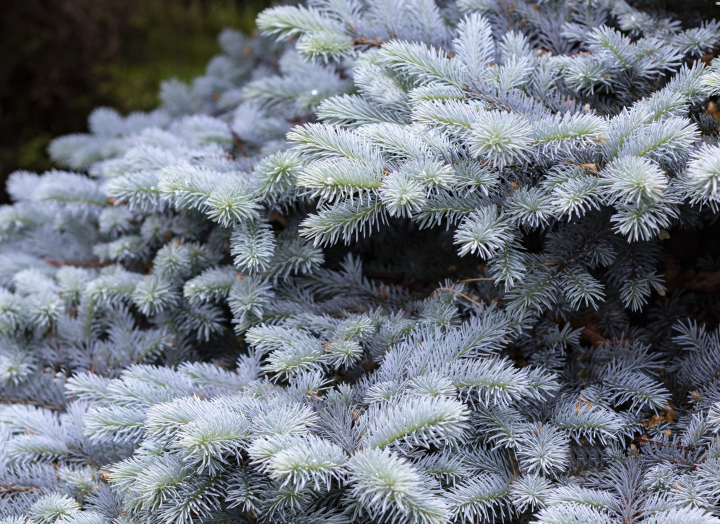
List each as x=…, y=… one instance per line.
x=170, y=39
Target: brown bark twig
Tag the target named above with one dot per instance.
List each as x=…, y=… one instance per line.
x=76, y=263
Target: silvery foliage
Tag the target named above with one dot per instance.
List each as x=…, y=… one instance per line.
x=188, y=333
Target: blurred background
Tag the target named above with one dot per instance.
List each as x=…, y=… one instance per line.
x=59, y=59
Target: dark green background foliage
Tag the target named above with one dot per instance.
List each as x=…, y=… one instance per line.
x=62, y=58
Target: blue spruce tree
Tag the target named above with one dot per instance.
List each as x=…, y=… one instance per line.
x=392, y=262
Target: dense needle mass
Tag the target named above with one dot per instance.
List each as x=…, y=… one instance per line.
x=405, y=264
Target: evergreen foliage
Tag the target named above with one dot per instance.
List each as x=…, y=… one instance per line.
x=201, y=320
